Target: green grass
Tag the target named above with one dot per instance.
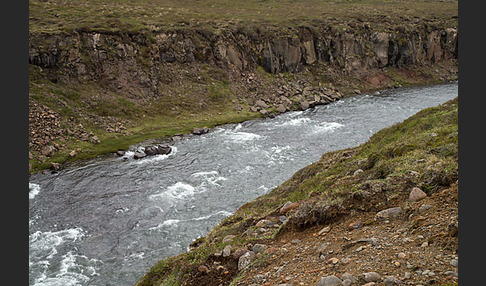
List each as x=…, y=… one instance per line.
x=425, y=143
x=62, y=16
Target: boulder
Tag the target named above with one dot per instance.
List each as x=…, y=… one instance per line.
x=416, y=194
x=245, y=260
x=120, y=152
x=304, y=105
x=151, y=150
x=389, y=213
x=369, y=277
x=330, y=281
x=200, y=131
x=260, y=103
x=139, y=155
x=164, y=149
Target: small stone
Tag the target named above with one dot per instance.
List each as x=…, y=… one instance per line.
x=370, y=284
x=260, y=103
x=348, y=276
x=288, y=206
x=203, y=269
x=358, y=172
x=389, y=213
x=401, y=255
x=451, y=273
x=245, y=260
x=397, y=264
x=424, y=244
x=55, y=166
x=416, y=194
x=390, y=281
x=347, y=282
x=322, y=248
x=238, y=253
x=355, y=225
x=304, y=105
x=139, y=155
x=229, y=238
x=333, y=260
x=407, y=275
x=295, y=241
x=259, y=278
x=330, y=281
x=369, y=277
x=424, y=207
x=227, y=251
x=326, y=229
x=257, y=248
x=454, y=262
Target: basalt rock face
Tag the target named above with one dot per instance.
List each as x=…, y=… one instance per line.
x=139, y=63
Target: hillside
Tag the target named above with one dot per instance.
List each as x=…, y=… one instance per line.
x=388, y=206
x=107, y=74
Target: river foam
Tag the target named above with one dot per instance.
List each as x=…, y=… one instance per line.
x=34, y=190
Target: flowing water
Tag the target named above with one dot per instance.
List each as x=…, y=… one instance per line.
x=106, y=221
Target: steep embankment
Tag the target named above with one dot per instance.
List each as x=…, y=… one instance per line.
x=384, y=213
x=97, y=86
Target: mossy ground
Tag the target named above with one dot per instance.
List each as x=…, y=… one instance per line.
x=59, y=16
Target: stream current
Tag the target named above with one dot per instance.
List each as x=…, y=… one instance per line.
x=106, y=221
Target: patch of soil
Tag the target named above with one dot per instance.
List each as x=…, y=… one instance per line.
x=217, y=270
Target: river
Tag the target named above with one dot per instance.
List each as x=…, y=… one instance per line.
x=106, y=221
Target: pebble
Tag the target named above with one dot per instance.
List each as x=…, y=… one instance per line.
x=245, y=260
x=259, y=278
x=330, y=281
x=407, y=275
x=228, y=238
x=369, y=277
x=401, y=255
x=288, y=206
x=227, y=251
x=390, y=281
x=295, y=241
x=258, y=248
x=425, y=207
x=388, y=213
x=454, y=262
x=333, y=260
x=355, y=225
x=416, y=194
x=326, y=229
x=348, y=276
x=451, y=273
x=425, y=244
x=203, y=269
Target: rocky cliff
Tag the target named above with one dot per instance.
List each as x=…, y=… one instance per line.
x=128, y=60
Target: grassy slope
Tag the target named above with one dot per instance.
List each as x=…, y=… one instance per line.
x=420, y=151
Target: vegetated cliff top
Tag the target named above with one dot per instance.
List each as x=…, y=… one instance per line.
x=362, y=195
x=63, y=16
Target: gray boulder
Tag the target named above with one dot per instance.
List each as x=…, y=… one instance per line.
x=330, y=281
x=164, y=149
